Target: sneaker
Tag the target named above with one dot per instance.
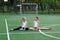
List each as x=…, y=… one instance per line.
x=11, y=30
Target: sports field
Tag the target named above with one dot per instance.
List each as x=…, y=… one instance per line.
x=8, y=22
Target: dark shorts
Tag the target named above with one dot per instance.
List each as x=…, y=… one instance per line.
x=36, y=28
x=24, y=28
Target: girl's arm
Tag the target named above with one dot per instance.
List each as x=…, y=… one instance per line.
x=26, y=24
x=21, y=22
x=38, y=23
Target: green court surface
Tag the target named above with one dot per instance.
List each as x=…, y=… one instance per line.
x=13, y=21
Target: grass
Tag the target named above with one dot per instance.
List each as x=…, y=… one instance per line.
x=14, y=21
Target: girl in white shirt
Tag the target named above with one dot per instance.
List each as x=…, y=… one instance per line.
x=36, y=25
x=23, y=25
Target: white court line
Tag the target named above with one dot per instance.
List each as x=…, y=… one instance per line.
x=28, y=33
x=48, y=34
x=7, y=29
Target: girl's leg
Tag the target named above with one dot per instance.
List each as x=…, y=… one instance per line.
x=34, y=28
x=45, y=28
x=16, y=28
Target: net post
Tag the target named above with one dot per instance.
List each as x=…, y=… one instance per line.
x=20, y=8
x=36, y=9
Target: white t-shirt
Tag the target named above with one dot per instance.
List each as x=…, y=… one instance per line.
x=36, y=23
x=24, y=24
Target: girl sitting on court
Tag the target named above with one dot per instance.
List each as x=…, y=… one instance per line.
x=36, y=25
x=23, y=25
